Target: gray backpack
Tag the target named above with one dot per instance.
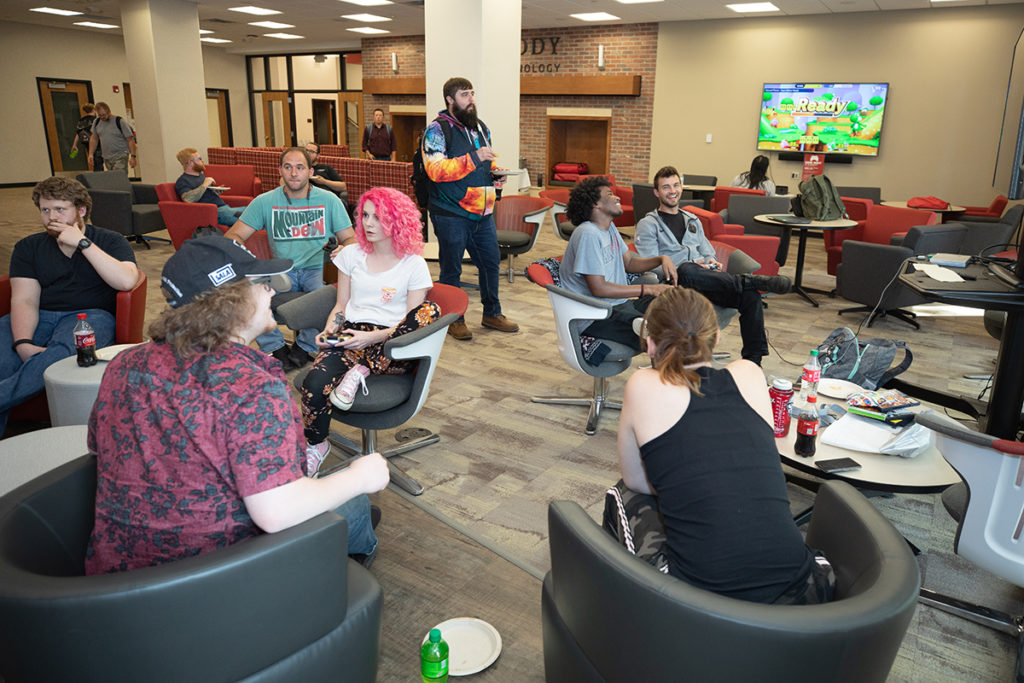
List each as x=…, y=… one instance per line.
x=820, y=199
x=867, y=362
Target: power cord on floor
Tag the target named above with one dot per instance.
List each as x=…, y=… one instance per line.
x=881, y=297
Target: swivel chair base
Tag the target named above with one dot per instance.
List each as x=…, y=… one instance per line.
x=510, y=270
x=144, y=240
x=899, y=313
x=597, y=402
x=398, y=476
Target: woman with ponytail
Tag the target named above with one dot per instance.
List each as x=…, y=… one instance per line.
x=699, y=440
x=757, y=177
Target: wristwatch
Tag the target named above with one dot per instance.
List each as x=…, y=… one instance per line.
x=132, y=156
x=84, y=243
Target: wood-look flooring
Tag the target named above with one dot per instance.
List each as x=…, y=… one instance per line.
x=502, y=458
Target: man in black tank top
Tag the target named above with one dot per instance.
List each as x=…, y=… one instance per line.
x=670, y=231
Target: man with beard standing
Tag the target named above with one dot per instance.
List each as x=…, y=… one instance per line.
x=457, y=157
x=193, y=186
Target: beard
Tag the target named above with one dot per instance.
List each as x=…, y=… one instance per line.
x=467, y=116
x=198, y=166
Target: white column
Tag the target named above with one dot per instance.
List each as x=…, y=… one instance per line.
x=478, y=40
x=165, y=64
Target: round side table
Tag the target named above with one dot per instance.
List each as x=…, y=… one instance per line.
x=71, y=391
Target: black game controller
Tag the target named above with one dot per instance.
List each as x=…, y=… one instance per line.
x=335, y=338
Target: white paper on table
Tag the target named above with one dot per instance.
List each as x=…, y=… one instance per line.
x=940, y=273
x=858, y=433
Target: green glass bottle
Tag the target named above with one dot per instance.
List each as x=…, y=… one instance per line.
x=434, y=658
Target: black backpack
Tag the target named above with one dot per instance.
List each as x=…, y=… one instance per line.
x=421, y=182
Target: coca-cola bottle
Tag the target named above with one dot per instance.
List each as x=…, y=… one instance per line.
x=85, y=342
x=809, y=379
x=807, y=428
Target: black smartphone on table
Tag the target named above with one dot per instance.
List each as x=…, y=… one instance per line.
x=836, y=465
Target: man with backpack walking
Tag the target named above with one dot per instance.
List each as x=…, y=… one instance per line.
x=457, y=155
x=83, y=132
x=115, y=137
x=379, y=139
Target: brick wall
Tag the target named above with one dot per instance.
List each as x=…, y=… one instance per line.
x=629, y=49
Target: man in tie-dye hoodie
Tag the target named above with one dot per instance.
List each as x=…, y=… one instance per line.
x=457, y=156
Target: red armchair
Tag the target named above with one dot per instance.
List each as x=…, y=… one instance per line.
x=128, y=327
x=857, y=210
x=241, y=178
x=721, y=199
x=993, y=210
x=880, y=226
x=182, y=218
x=761, y=248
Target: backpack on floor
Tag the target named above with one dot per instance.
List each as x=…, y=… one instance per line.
x=865, y=362
x=419, y=179
x=820, y=200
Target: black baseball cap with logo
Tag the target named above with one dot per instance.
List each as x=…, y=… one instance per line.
x=206, y=262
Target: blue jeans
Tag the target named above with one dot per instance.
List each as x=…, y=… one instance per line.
x=480, y=239
x=55, y=330
x=303, y=280
x=361, y=538
x=228, y=215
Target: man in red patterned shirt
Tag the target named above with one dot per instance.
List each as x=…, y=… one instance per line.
x=198, y=442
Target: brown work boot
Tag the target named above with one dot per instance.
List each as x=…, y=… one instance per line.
x=499, y=323
x=459, y=330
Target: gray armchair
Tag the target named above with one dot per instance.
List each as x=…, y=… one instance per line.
x=872, y=193
x=607, y=616
x=869, y=277
x=120, y=205
x=742, y=209
x=1011, y=216
x=244, y=613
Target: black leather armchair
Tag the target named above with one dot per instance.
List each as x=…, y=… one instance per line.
x=282, y=607
x=131, y=209
x=610, y=617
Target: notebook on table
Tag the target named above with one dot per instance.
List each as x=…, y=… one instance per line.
x=790, y=220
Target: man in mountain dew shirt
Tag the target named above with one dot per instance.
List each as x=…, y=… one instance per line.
x=299, y=219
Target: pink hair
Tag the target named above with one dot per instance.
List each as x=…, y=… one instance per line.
x=399, y=217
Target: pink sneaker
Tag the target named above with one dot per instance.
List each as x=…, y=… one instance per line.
x=344, y=395
x=315, y=454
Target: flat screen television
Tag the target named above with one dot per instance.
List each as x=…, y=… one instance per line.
x=835, y=118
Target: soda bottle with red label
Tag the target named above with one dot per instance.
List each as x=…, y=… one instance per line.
x=85, y=342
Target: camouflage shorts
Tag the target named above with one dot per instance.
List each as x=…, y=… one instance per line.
x=633, y=519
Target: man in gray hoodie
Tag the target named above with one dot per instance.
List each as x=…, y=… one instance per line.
x=670, y=231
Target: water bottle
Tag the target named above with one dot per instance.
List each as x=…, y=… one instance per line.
x=85, y=342
x=807, y=428
x=434, y=658
x=781, y=395
x=809, y=378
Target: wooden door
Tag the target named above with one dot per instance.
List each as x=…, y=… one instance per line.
x=324, y=122
x=350, y=132
x=62, y=102
x=217, y=118
x=277, y=120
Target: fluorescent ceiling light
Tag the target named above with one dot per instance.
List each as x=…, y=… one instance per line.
x=365, y=17
x=754, y=7
x=636, y=2
x=594, y=16
x=369, y=30
x=51, y=10
x=947, y=0
x=93, y=24
x=369, y=3
x=249, y=9
x=270, y=24
x=283, y=36
x=214, y=40
x=204, y=31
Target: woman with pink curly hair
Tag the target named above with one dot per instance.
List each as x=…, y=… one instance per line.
x=382, y=291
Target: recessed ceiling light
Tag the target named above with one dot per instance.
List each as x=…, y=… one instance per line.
x=214, y=40
x=369, y=3
x=283, y=36
x=93, y=24
x=204, y=31
x=365, y=17
x=636, y=2
x=51, y=10
x=754, y=7
x=249, y=9
x=270, y=24
x=594, y=16
x=369, y=30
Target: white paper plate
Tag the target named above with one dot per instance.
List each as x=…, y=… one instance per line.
x=837, y=388
x=473, y=644
x=220, y=188
x=107, y=353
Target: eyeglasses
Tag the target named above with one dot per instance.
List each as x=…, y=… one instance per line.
x=265, y=281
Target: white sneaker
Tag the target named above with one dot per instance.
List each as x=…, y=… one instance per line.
x=315, y=454
x=344, y=395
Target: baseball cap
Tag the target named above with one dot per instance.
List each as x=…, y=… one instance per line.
x=206, y=262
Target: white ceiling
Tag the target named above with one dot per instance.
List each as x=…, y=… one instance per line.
x=322, y=25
